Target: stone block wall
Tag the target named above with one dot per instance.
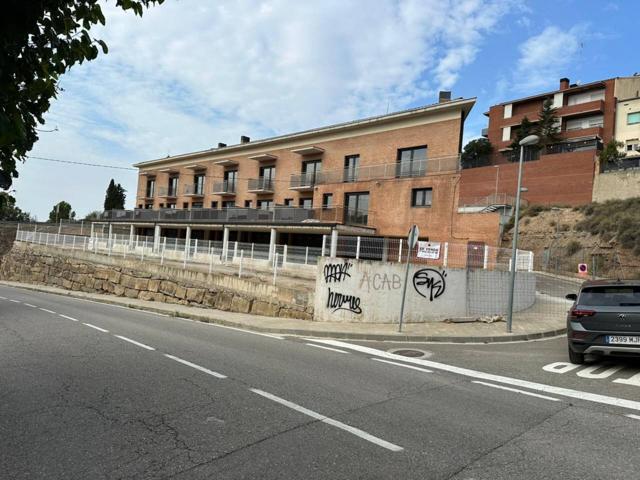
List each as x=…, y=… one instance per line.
x=87, y=272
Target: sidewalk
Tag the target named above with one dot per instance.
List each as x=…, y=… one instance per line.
x=527, y=327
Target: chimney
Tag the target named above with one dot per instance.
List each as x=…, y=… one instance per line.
x=221, y=145
x=564, y=83
x=244, y=139
x=444, y=96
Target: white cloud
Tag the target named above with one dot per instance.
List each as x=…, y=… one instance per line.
x=192, y=73
x=545, y=57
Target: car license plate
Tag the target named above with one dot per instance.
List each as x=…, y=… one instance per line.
x=616, y=339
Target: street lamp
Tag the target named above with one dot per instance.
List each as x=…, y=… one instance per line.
x=525, y=142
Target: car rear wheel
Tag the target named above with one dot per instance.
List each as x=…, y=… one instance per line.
x=575, y=357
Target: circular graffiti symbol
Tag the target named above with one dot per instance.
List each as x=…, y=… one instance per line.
x=429, y=283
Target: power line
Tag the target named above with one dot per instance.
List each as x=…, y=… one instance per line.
x=80, y=163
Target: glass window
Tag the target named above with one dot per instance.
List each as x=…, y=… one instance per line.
x=173, y=186
x=198, y=181
x=327, y=200
x=412, y=162
x=421, y=197
x=151, y=187
x=610, y=296
x=306, y=202
x=265, y=204
x=214, y=204
x=230, y=178
x=267, y=174
x=633, y=118
x=149, y=206
x=185, y=205
x=310, y=171
x=288, y=202
x=247, y=204
x=356, y=206
x=196, y=205
x=228, y=203
x=171, y=205
x=351, y=164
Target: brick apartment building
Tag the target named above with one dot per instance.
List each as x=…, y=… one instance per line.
x=589, y=116
x=373, y=177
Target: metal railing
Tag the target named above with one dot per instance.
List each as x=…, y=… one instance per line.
x=305, y=180
x=624, y=164
x=491, y=200
x=193, y=189
x=566, y=147
x=264, y=184
x=167, y=192
x=224, y=187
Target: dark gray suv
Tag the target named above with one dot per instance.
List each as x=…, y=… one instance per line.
x=604, y=319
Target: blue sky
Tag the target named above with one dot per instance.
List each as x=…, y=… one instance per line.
x=192, y=73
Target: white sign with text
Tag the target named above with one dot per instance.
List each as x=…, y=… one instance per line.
x=429, y=250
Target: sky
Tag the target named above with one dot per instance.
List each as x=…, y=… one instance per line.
x=192, y=73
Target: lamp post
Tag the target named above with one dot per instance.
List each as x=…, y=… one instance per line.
x=525, y=142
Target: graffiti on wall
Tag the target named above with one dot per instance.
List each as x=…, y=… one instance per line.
x=429, y=283
x=336, y=273
x=380, y=281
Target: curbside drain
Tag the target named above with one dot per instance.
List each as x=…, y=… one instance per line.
x=410, y=352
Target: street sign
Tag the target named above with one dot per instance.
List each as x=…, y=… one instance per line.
x=583, y=269
x=414, y=233
x=429, y=250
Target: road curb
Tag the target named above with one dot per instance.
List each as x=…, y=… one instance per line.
x=400, y=337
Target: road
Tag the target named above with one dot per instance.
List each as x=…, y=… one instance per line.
x=98, y=391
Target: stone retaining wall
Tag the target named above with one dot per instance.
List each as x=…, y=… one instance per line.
x=88, y=272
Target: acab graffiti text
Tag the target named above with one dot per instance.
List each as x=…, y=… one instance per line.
x=338, y=301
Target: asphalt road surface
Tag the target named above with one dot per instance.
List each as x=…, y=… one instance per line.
x=92, y=391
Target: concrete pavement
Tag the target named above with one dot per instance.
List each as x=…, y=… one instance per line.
x=97, y=391
x=538, y=322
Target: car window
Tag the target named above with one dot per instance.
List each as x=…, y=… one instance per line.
x=612, y=296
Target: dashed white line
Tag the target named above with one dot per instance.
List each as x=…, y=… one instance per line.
x=29, y=305
x=96, y=327
x=197, y=367
x=3, y=298
x=47, y=310
x=134, y=342
x=402, y=365
x=335, y=423
x=14, y=301
x=635, y=417
x=502, y=387
x=326, y=348
x=68, y=318
x=241, y=330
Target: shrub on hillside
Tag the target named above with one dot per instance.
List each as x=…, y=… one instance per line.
x=572, y=248
x=619, y=219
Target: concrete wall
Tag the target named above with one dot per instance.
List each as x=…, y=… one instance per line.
x=88, y=272
x=616, y=185
x=370, y=292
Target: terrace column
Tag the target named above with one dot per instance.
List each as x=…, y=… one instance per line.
x=187, y=241
x=156, y=238
x=110, y=234
x=225, y=243
x=272, y=243
x=334, y=243
x=92, y=229
x=132, y=234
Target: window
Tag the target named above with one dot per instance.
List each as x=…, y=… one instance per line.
x=198, y=184
x=306, y=202
x=173, y=187
x=230, y=178
x=139, y=205
x=310, y=171
x=228, y=204
x=214, y=204
x=421, y=197
x=633, y=118
x=185, y=205
x=265, y=204
x=327, y=200
x=633, y=145
x=267, y=175
x=351, y=164
x=171, y=205
x=161, y=205
x=149, y=206
x=412, y=162
x=585, y=97
x=151, y=187
x=196, y=205
x=586, y=122
x=356, y=208
x=247, y=204
x=288, y=202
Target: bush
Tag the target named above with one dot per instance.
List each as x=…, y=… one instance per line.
x=527, y=221
x=552, y=223
x=564, y=227
x=572, y=248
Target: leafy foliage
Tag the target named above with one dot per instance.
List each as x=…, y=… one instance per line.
x=526, y=128
x=61, y=211
x=476, y=152
x=9, y=212
x=115, y=196
x=39, y=41
x=95, y=215
x=547, y=128
x=611, y=152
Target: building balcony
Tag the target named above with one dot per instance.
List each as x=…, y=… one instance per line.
x=167, y=192
x=260, y=216
x=260, y=185
x=303, y=182
x=596, y=106
x=224, y=188
x=193, y=190
x=581, y=132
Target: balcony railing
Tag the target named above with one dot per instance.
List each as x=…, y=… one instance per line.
x=624, y=164
x=224, y=188
x=565, y=147
x=167, y=192
x=194, y=189
x=304, y=181
x=261, y=184
x=286, y=215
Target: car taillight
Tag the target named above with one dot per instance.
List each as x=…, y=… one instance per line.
x=578, y=313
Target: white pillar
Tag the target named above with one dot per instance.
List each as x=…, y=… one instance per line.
x=272, y=243
x=235, y=250
x=324, y=244
x=225, y=243
x=446, y=254
x=110, y=235
x=284, y=256
x=334, y=243
x=486, y=257
x=187, y=241
x=156, y=238
x=132, y=234
x=400, y=252
x=358, y=248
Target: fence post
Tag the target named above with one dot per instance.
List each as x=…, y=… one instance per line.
x=210, y=260
x=84, y=244
x=144, y=245
x=306, y=256
x=235, y=250
x=60, y=227
x=124, y=250
x=73, y=245
x=252, y=251
x=109, y=244
x=358, y=248
x=240, y=267
x=400, y=252
x=164, y=245
x=445, y=258
x=531, y=261
x=485, y=262
x=275, y=267
x=284, y=256
x=324, y=243
x=195, y=249
x=46, y=241
x=81, y=226
x=334, y=243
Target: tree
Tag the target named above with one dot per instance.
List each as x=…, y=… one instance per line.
x=95, y=215
x=39, y=41
x=526, y=128
x=115, y=197
x=611, y=153
x=61, y=211
x=475, y=153
x=547, y=128
x=9, y=212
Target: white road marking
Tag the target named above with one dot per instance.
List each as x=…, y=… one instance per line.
x=635, y=417
x=14, y=301
x=403, y=365
x=134, y=342
x=3, y=298
x=97, y=328
x=29, y=305
x=47, y=310
x=502, y=387
x=197, y=367
x=68, y=318
x=240, y=329
x=327, y=348
x=347, y=428
x=541, y=387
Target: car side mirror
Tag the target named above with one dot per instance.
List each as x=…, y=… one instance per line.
x=571, y=296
